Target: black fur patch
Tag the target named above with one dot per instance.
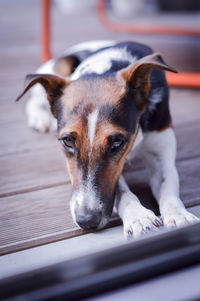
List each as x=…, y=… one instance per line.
x=151, y=119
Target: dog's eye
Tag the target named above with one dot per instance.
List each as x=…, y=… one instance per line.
x=68, y=143
x=116, y=144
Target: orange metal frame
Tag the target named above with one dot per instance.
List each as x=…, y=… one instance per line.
x=191, y=80
x=183, y=79
x=128, y=28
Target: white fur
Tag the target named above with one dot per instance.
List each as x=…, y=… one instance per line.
x=87, y=197
x=92, y=122
x=47, y=67
x=159, y=153
x=158, y=149
x=89, y=45
x=101, y=62
x=72, y=209
x=155, y=98
x=137, y=219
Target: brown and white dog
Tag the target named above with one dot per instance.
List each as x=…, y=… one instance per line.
x=110, y=100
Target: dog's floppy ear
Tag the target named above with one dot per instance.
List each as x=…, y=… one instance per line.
x=52, y=84
x=137, y=75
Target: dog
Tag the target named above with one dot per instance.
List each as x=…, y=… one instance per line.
x=109, y=101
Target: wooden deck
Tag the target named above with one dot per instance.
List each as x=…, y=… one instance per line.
x=34, y=185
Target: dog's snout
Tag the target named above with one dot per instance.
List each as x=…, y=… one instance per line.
x=89, y=220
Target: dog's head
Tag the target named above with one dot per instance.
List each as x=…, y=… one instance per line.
x=97, y=124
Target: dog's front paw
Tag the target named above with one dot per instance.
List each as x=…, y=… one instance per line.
x=178, y=217
x=144, y=222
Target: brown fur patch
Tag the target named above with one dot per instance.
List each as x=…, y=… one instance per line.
x=103, y=130
x=112, y=173
x=94, y=92
x=64, y=66
x=73, y=172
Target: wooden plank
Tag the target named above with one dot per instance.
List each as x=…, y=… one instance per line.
x=28, y=219
x=32, y=170
x=49, y=166
x=188, y=140
x=16, y=138
x=195, y=210
x=184, y=106
x=43, y=216
x=187, y=146
x=189, y=173
x=36, y=218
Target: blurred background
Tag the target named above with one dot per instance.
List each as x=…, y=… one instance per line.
x=77, y=20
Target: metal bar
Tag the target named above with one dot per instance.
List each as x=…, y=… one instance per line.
x=128, y=28
x=110, y=269
x=45, y=37
x=187, y=79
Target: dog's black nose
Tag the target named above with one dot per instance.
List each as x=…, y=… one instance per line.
x=88, y=221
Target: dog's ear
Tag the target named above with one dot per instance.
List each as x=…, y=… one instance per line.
x=52, y=84
x=66, y=65
x=137, y=75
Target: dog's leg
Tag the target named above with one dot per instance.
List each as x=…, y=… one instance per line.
x=159, y=152
x=136, y=219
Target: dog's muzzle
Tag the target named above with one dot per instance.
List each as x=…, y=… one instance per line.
x=87, y=219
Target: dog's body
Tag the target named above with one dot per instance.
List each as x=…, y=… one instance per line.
x=108, y=111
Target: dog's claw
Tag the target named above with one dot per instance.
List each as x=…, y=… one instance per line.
x=134, y=228
x=158, y=223
x=130, y=233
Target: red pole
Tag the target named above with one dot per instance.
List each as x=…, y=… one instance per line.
x=45, y=38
